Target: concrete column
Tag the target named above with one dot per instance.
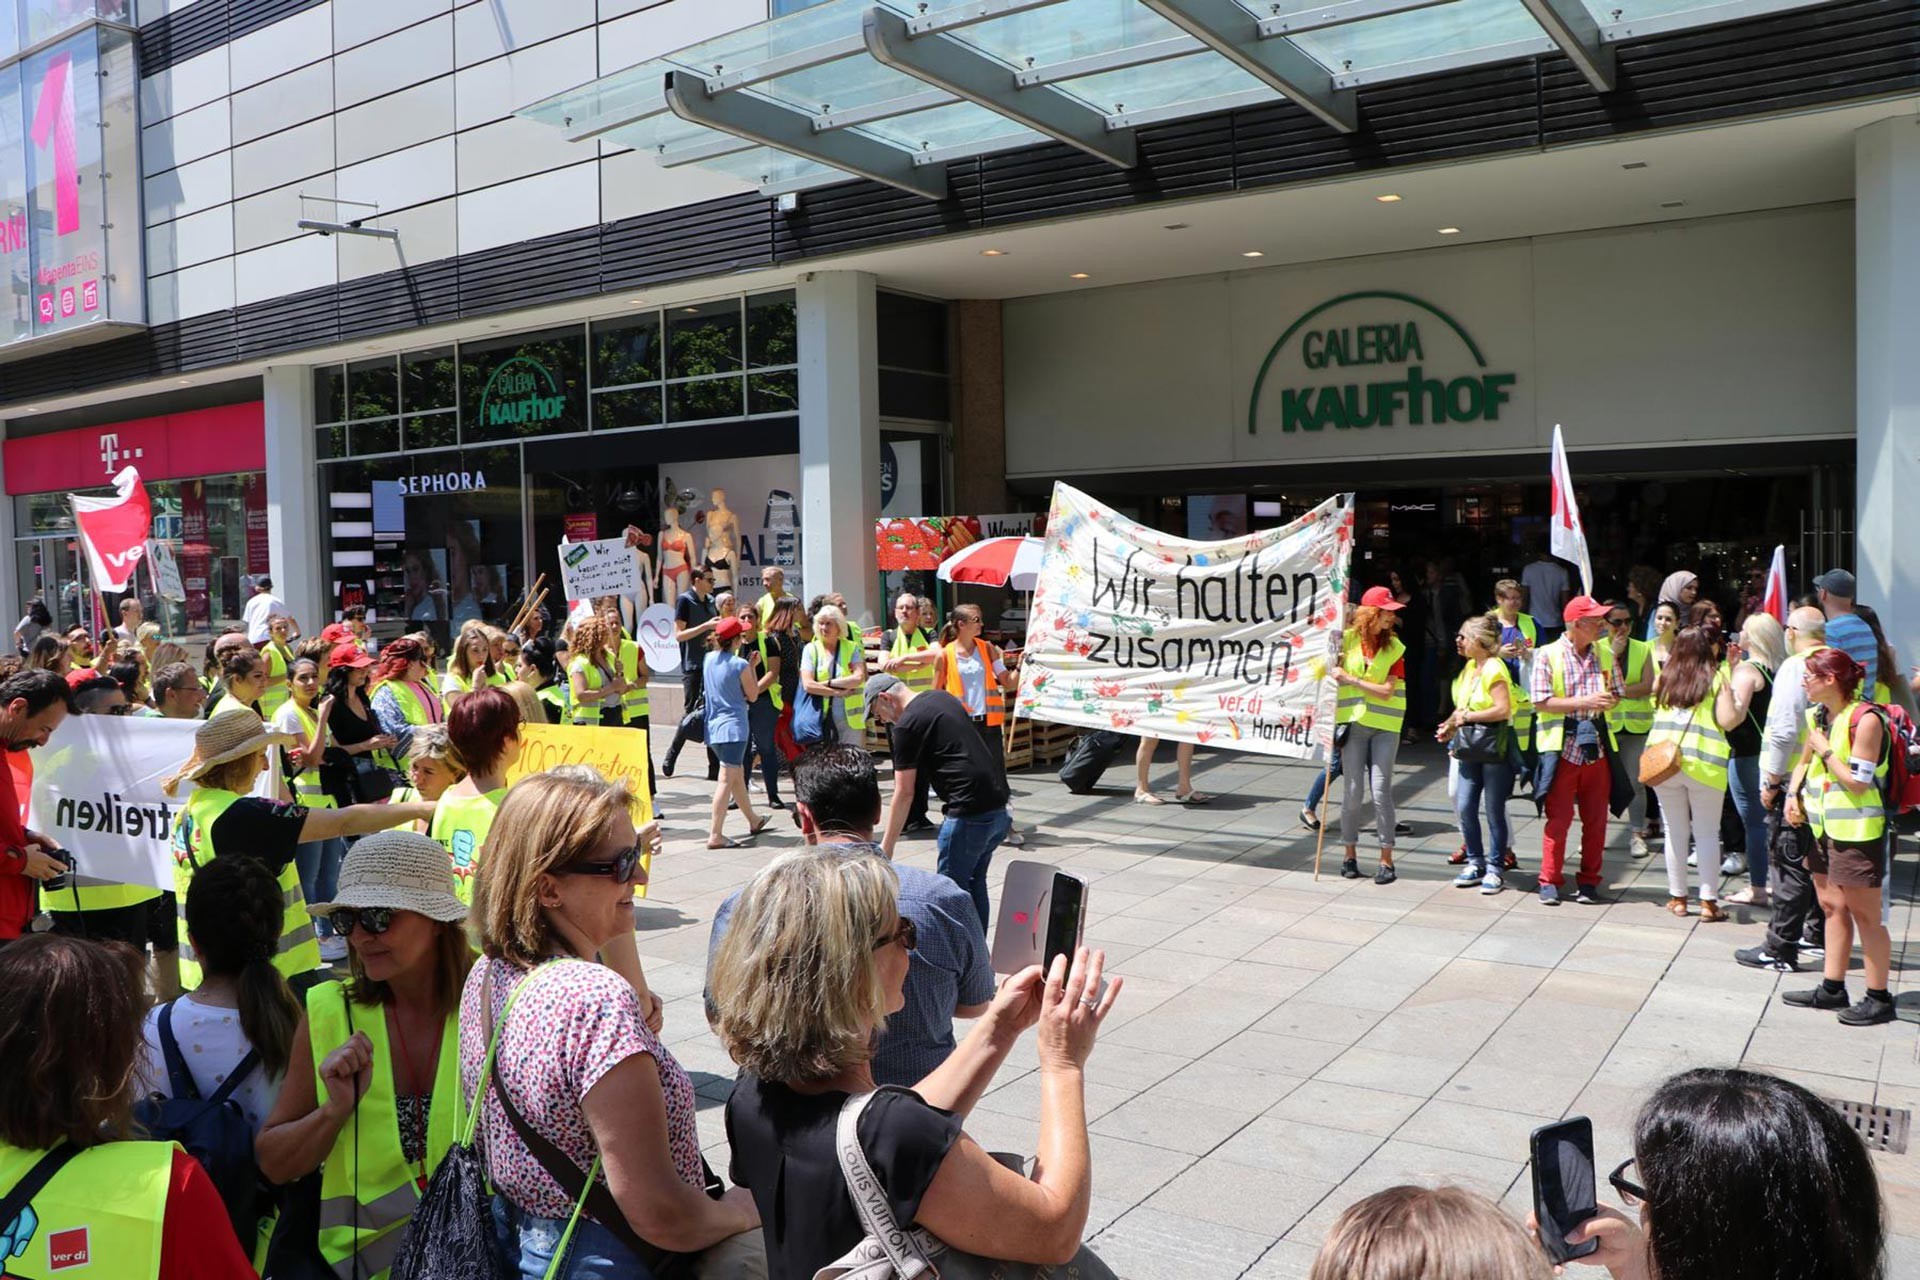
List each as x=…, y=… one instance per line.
x=12, y=590
x=1887, y=298
x=978, y=365
x=839, y=438
x=295, y=551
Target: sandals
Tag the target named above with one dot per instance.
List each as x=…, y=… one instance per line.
x=1678, y=906
x=1146, y=797
x=1192, y=797
x=1710, y=912
x=1750, y=897
x=765, y=819
x=726, y=842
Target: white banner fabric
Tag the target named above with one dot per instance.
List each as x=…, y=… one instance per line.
x=96, y=790
x=1224, y=643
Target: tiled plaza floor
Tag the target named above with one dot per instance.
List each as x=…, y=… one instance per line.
x=1285, y=1046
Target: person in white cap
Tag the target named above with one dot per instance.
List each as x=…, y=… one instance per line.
x=385, y=1045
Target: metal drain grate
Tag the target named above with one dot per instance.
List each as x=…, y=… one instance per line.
x=1883, y=1128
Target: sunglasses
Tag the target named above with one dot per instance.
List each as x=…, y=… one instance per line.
x=620, y=867
x=1632, y=1192
x=375, y=920
x=906, y=933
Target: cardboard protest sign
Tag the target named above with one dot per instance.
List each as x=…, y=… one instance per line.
x=1226, y=643
x=166, y=571
x=607, y=567
x=96, y=790
x=615, y=753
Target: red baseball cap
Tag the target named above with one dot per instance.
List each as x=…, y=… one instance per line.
x=348, y=654
x=730, y=629
x=1379, y=598
x=335, y=632
x=1583, y=607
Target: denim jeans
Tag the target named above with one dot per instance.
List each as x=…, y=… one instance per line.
x=762, y=719
x=966, y=844
x=318, y=862
x=1743, y=783
x=528, y=1241
x=1482, y=781
x=1318, y=791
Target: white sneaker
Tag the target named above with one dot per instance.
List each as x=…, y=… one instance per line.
x=1733, y=865
x=1638, y=846
x=1491, y=883
x=333, y=949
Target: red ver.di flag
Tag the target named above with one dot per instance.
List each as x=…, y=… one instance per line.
x=1212, y=642
x=113, y=531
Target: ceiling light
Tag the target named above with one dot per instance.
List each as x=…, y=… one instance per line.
x=1389, y=198
x=1079, y=275
x=1253, y=253
x=636, y=302
x=186, y=382
x=1449, y=231
x=993, y=253
x=689, y=311
x=1176, y=226
x=1634, y=164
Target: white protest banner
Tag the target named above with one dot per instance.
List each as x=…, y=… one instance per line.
x=605, y=567
x=1211, y=642
x=96, y=791
x=166, y=571
x=654, y=630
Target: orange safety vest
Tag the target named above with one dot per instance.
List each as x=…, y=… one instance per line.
x=996, y=701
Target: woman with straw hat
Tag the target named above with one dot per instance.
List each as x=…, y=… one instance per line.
x=219, y=817
x=381, y=1102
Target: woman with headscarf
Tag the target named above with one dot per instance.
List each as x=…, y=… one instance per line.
x=1682, y=587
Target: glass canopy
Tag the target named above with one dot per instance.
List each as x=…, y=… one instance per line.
x=894, y=89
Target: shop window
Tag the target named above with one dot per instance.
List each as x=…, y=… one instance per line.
x=431, y=431
x=773, y=331
x=373, y=388
x=379, y=436
x=531, y=385
x=634, y=407
x=773, y=392
x=707, y=398
x=913, y=333
x=429, y=380
x=330, y=442
x=330, y=393
x=923, y=396
x=626, y=351
x=704, y=339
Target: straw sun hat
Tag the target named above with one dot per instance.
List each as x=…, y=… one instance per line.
x=403, y=870
x=231, y=735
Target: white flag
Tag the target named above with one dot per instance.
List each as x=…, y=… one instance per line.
x=1569, y=539
x=1777, y=601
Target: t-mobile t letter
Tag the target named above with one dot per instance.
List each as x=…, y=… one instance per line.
x=53, y=119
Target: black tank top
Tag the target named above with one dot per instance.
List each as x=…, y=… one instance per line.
x=1744, y=738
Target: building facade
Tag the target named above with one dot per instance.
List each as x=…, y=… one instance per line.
x=450, y=282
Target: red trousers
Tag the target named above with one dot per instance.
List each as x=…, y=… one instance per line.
x=1587, y=786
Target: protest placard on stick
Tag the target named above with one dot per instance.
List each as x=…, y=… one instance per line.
x=615, y=753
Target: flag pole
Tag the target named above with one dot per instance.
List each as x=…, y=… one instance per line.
x=1339, y=636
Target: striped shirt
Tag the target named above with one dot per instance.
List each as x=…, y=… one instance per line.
x=1583, y=679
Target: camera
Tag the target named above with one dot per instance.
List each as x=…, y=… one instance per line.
x=64, y=880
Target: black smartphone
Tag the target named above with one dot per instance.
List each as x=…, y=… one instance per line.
x=1564, y=1185
x=1066, y=918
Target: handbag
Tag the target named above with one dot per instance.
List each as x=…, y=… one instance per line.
x=889, y=1253
x=1659, y=762
x=813, y=721
x=1478, y=744
x=371, y=781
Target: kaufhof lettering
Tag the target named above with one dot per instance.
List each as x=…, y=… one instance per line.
x=449, y=482
x=1428, y=385
x=521, y=392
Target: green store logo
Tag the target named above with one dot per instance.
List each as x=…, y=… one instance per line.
x=1317, y=396
x=520, y=392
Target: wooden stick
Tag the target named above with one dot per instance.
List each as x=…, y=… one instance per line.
x=1326, y=787
x=528, y=604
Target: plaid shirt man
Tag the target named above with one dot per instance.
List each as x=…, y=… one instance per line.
x=1583, y=679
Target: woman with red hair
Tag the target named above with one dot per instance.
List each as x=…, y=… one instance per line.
x=484, y=729
x=1839, y=790
x=403, y=692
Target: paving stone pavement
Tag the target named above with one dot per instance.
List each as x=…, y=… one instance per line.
x=1285, y=1046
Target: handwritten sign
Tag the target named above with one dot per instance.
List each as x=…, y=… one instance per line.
x=166, y=571
x=616, y=754
x=606, y=567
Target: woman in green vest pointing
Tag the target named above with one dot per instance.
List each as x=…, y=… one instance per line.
x=373, y=1098
x=220, y=818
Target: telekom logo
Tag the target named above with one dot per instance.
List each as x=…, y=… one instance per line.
x=53, y=125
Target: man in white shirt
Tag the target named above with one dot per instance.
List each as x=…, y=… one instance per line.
x=1548, y=586
x=1797, y=928
x=131, y=616
x=260, y=608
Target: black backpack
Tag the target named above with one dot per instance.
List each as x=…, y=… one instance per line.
x=213, y=1130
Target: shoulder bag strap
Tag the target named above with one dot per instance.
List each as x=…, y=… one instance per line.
x=178, y=1077
x=235, y=1078
x=870, y=1201
x=37, y=1178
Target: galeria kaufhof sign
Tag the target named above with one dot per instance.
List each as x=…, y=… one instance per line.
x=1376, y=359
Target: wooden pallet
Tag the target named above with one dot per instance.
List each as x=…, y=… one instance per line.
x=1052, y=742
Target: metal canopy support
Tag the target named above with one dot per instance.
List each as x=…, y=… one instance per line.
x=785, y=129
x=963, y=70
x=1574, y=30
x=1278, y=62
x=702, y=151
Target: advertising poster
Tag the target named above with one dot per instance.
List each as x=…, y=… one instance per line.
x=762, y=494
x=254, y=498
x=196, y=554
x=1224, y=642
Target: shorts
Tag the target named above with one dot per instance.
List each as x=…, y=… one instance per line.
x=730, y=753
x=1847, y=865
x=140, y=925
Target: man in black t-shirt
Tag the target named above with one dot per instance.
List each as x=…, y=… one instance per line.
x=932, y=731
x=694, y=615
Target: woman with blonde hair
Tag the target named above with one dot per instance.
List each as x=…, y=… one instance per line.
x=1372, y=708
x=1482, y=695
x=506, y=652
x=1421, y=1233
x=1762, y=648
x=815, y=958
x=1693, y=709
x=594, y=685
x=833, y=667
x=575, y=1062
x=166, y=653
x=472, y=665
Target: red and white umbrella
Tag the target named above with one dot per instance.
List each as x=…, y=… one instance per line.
x=996, y=562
